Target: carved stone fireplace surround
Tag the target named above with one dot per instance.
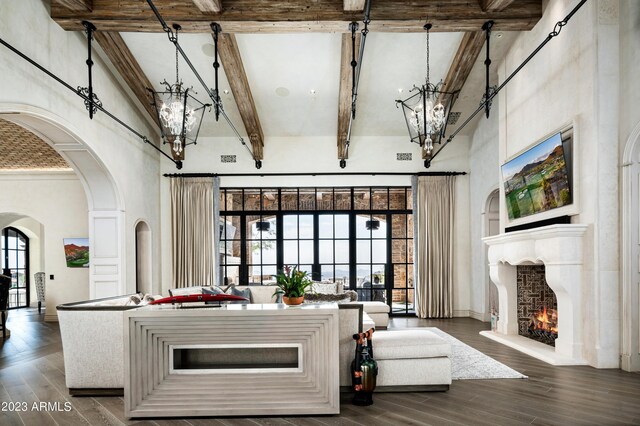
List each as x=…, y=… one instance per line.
x=560, y=249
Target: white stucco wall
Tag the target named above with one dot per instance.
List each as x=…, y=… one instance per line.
x=319, y=154
x=629, y=66
x=133, y=166
x=574, y=79
x=59, y=204
x=484, y=179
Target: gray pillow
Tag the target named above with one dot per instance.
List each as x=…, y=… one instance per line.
x=212, y=290
x=237, y=292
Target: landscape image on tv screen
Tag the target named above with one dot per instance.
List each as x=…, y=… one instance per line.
x=537, y=180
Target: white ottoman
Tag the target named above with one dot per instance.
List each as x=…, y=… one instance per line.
x=379, y=313
x=411, y=360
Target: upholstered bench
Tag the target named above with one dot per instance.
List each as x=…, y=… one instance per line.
x=411, y=360
x=379, y=313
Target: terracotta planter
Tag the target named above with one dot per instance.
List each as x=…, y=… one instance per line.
x=292, y=301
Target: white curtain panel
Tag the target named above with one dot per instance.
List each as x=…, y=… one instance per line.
x=434, y=202
x=192, y=231
x=217, y=231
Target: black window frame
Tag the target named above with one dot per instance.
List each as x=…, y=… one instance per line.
x=352, y=212
x=15, y=271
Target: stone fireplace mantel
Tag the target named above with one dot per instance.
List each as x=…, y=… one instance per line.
x=560, y=249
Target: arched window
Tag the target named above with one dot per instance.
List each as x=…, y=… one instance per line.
x=15, y=261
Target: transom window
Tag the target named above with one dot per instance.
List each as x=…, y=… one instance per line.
x=359, y=237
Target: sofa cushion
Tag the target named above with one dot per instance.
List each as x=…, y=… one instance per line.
x=261, y=293
x=233, y=290
x=375, y=307
x=324, y=288
x=184, y=291
x=404, y=344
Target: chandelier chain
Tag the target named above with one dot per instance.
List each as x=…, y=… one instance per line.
x=428, y=79
x=177, y=75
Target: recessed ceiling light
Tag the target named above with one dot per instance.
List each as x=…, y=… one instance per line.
x=282, y=91
x=312, y=91
x=226, y=92
x=400, y=90
x=499, y=35
x=209, y=50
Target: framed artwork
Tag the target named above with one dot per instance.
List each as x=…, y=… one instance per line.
x=76, y=252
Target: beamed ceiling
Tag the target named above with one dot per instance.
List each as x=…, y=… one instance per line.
x=284, y=64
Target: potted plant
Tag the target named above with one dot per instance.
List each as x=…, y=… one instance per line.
x=292, y=283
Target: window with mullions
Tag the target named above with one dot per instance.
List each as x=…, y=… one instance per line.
x=360, y=237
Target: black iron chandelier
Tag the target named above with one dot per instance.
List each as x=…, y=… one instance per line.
x=427, y=112
x=179, y=113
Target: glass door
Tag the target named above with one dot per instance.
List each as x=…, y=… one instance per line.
x=15, y=261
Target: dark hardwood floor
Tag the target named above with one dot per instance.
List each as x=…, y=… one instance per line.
x=32, y=371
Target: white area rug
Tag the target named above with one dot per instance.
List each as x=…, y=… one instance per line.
x=468, y=363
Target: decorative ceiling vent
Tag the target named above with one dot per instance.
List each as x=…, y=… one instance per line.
x=403, y=156
x=453, y=117
x=227, y=158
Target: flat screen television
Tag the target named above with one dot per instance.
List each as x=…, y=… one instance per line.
x=537, y=180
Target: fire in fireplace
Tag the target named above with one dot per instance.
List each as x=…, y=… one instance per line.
x=537, y=305
x=544, y=326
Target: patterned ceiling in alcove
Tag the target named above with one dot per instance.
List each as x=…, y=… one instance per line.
x=22, y=150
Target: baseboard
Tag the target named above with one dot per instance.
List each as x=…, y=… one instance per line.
x=480, y=316
x=460, y=313
x=630, y=362
x=96, y=391
x=50, y=318
x=406, y=388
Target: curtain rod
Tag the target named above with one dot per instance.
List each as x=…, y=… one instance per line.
x=196, y=175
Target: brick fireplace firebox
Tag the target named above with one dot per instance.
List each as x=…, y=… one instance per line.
x=560, y=249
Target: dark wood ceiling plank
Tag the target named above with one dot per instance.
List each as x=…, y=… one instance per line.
x=237, y=77
x=277, y=16
x=208, y=6
x=127, y=66
x=76, y=5
x=344, y=97
x=494, y=5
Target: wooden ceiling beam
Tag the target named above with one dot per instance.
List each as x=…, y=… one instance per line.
x=290, y=16
x=208, y=6
x=125, y=63
x=344, y=97
x=354, y=5
x=463, y=62
x=494, y=5
x=237, y=77
x=76, y=5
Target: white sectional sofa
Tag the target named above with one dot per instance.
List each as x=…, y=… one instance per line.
x=93, y=347
x=92, y=335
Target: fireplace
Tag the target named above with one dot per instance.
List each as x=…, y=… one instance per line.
x=550, y=261
x=537, y=305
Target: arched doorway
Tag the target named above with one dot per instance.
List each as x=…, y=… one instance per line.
x=105, y=205
x=144, y=282
x=15, y=263
x=630, y=359
x=491, y=226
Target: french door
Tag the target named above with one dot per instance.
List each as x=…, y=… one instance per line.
x=15, y=261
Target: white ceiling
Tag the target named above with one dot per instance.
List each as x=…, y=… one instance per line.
x=283, y=69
